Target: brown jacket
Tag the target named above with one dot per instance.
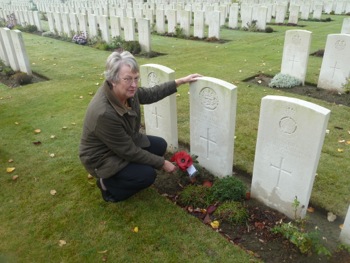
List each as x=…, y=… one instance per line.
x=111, y=137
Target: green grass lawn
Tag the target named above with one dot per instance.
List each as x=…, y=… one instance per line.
x=33, y=221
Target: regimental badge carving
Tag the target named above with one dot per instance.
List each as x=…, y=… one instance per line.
x=209, y=98
x=152, y=79
x=288, y=125
x=340, y=44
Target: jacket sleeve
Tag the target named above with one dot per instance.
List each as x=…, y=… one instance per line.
x=156, y=93
x=110, y=131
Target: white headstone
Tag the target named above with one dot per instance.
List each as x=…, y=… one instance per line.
x=9, y=48
x=172, y=21
x=212, y=124
x=3, y=53
x=335, y=68
x=93, y=27
x=160, y=21
x=233, y=16
x=345, y=29
x=246, y=15
x=290, y=138
x=198, y=27
x=129, y=29
x=185, y=24
x=317, y=11
x=261, y=17
x=214, y=25
x=293, y=14
x=281, y=10
x=20, y=51
x=305, y=11
x=104, y=28
x=115, y=26
x=345, y=232
x=144, y=29
x=296, y=53
x=160, y=117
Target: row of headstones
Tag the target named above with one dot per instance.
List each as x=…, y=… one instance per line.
x=12, y=50
x=23, y=18
x=289, y=142
x=335, y=68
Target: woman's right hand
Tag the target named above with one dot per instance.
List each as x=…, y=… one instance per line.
x=169, y=167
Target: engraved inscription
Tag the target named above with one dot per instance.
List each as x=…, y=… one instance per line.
x=296, y=39
x=209, y=98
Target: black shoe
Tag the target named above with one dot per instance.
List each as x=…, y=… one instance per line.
x=107, y=196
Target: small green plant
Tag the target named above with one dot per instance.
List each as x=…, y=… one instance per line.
x=268, y=29
x=133, y=47
x=228, y=189
x=251, y=26
x=346, y=85
x=284, y=81
x=27, y=28
x=232, y=211
x=196, y=196
x=179, y=32
x=116, y=43
x=306, y=242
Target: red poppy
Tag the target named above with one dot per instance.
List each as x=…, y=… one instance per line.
x=182, y=159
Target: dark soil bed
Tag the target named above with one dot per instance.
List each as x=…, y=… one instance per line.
x=255, y=236
x=12, y=82
x=308, y=90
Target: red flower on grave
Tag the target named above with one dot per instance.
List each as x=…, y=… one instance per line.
x=182, y=159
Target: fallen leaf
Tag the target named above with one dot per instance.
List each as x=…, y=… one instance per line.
x=61, y=243
x=53, y=192
x=331, y=217
x=52, y=136
x=215, y=224
x=341, y=141
x=37, y=143
x=64, y=127
x=102, y=252
x=211, y=209
x=10, y=161
x=207, y=219
x=311, y=209
x=207, y=184
x=347, y=142
x=341, y=226
x=247, y=195
x=340, y=150
x=52, y=155
x=37, y=131
x=10, y=169
x=90, y=176
x=135, y=229
x=15, y=177
x=16, y=123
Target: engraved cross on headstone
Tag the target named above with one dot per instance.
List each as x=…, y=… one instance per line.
x=157, y=116
x=334, y=68
x=280, y=170
x=208, y=141
x=293, y=60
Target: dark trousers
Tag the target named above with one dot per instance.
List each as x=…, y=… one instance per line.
x=135, y=177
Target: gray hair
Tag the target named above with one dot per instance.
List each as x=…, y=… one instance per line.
x=115, y=61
